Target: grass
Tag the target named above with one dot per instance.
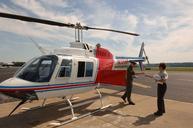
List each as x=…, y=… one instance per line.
x=187, y=69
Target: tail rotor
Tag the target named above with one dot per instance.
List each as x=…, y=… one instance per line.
x=142, y=51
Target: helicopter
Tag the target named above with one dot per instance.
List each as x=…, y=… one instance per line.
x=70, y=70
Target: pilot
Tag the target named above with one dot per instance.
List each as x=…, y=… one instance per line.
x=97, y=47
x=129, y=80
x=161, y=88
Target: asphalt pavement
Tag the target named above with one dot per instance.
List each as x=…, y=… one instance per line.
x=179, y=86
x=118, y=115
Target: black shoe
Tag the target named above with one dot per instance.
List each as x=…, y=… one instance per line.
x=131, y=103
x=158, y=113
x=123, y=99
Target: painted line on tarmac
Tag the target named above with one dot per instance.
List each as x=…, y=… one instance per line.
x=141, y=85
x=187, y=80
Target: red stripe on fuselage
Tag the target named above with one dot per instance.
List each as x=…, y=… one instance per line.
x=105, y=73
x=42, y=88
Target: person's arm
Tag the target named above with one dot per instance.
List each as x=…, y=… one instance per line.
x=148, y=75
x=126, y=75
x=140, y=73
x=164, y=78
x=133, y=72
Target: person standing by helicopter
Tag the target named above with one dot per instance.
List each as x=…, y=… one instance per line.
x=162, y=76
x=129, y=80
x=160, y=79
x=98, y=46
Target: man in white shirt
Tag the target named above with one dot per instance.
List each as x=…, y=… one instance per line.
x=161, y=78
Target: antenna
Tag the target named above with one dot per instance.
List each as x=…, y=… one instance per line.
x=41, y=49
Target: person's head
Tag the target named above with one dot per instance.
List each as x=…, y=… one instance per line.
x=98, y=45
x=162, y=66
x=133, y=64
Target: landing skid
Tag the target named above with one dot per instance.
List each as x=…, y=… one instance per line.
x=20, y=103
x=44, y=104
x=38, y=107
x=74, y=98
x=80, y=117
x=74, y=118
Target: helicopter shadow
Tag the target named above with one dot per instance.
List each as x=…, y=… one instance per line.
x=35, y=117
x=145, y=120
x=140, y=120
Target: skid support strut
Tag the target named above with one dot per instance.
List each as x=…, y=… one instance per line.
x=102, y=107
x=100, y=96
x=71, y=108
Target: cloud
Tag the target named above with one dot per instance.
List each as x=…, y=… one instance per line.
x=37, y=30
x=104, y=15
x=175, y=47
x=167, y=29
x=41, y=10
x=158, y=22
x=168, y=33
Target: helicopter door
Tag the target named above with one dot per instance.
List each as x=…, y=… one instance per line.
x=85, y=71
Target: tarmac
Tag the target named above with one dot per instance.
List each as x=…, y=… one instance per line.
x=118, y=115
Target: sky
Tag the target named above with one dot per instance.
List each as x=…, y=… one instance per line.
x=165, y=26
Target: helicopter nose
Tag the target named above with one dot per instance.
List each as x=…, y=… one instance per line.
x=3, y=97
x=10, y=88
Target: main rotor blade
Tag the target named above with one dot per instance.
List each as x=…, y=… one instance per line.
x=111, y=30
x=37, y=20
x=54, y=23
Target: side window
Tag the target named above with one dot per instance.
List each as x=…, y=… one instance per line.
x=65, y=69
x=81, y=69
x=89, y=69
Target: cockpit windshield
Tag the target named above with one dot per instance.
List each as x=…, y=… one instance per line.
x=39, y=70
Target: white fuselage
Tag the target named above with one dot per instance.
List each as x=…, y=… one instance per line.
x=73, y=84
x=71, y=74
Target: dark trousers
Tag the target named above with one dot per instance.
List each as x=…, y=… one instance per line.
x=128, y=90
x=161, y=90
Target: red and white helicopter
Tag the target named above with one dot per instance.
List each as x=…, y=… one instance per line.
x=67, y=71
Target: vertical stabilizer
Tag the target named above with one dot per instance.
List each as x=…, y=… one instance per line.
x=140, y=56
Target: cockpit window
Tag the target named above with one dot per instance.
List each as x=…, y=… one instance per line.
x=45, y=68
x=39, y=70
